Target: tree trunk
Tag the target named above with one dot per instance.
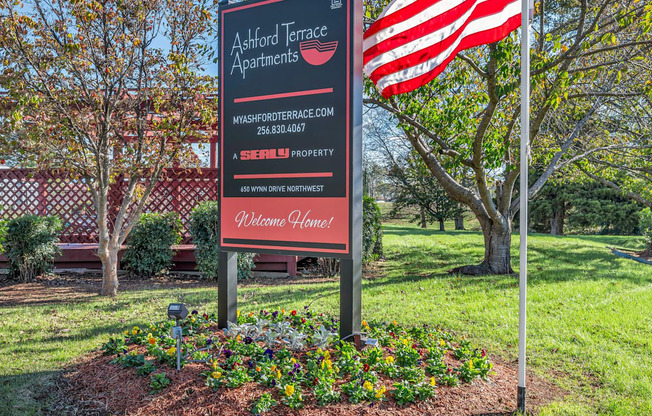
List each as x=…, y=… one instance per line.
x=459, y=222
x=497, y=257
x=557, y=222
x=109, y=257
x=441, y=225
x=422, y=213
x=647, y=252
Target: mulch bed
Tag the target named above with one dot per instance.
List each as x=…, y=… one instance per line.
x=96, y=387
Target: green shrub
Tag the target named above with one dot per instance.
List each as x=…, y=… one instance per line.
x=372, y=238
x=30, y=244
x=372, y=231
x=3, y=232
x=149, y=246
x=204, y=226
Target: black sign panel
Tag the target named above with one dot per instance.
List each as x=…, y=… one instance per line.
x=286, y=76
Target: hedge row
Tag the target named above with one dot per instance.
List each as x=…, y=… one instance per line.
x=30, y=242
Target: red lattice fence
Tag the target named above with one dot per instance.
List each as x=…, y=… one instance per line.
x=25, y=191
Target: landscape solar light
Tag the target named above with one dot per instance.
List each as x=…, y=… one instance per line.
x=177, y=311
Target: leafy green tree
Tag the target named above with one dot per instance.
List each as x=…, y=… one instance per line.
x=416, y=187
x=583, y=206
x=468, y=117
x=89, y=91
x=626, y=171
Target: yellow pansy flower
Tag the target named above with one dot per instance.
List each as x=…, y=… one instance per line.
x=405, y=342
x=367, y=386
x=216, y=374
x=289, y=390
x=471, y=364
x=442, y=342
x=237, y=313
x=394, y=323
x=278, y=374
x=433, y=381
x=126, y=332
x=171, y=351
x=389, y=360
x=380, y=392
x=135, y=331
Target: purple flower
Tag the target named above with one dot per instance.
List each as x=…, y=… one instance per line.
x=274, y=314
x=273, y=383
x=250, y=364
x=124, y=351
x=248, y=340
x=209, y=341
x=305, y=307
x=296, y=366
x=312, y=328
x=194, y=312
x=269, y=353
x=228, y=353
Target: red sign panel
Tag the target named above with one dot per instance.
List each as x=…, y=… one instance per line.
x=286, y=78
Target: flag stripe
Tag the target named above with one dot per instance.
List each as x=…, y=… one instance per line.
x=432, y=32
x=443, y=42
x=406, y=12
x=407, y=19
x=388, y=88
x=414, y=41
x=407, y=70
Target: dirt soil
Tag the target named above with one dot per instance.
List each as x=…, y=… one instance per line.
x=93, y=386
x=96, y=387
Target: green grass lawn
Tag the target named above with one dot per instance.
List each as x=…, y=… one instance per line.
x=589, y=323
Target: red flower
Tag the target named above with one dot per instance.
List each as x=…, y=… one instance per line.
x=315, y=381
x=303, y=320
x=366, y=367
x=293, y=313
x=483, y=353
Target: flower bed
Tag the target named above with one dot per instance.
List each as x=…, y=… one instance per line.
x=298, y=358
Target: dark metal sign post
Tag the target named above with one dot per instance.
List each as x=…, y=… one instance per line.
x=291, y=140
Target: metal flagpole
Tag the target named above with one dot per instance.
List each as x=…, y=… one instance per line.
x=523, y=214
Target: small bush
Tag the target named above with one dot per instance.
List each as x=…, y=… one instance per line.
x=372, y=231
x=149, y=246
x=372, y=239
x=204, y=227
x=30, y=244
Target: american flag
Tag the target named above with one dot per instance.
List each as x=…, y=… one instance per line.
x=413, y=40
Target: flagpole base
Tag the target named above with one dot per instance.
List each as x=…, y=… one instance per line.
x=520, y=402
